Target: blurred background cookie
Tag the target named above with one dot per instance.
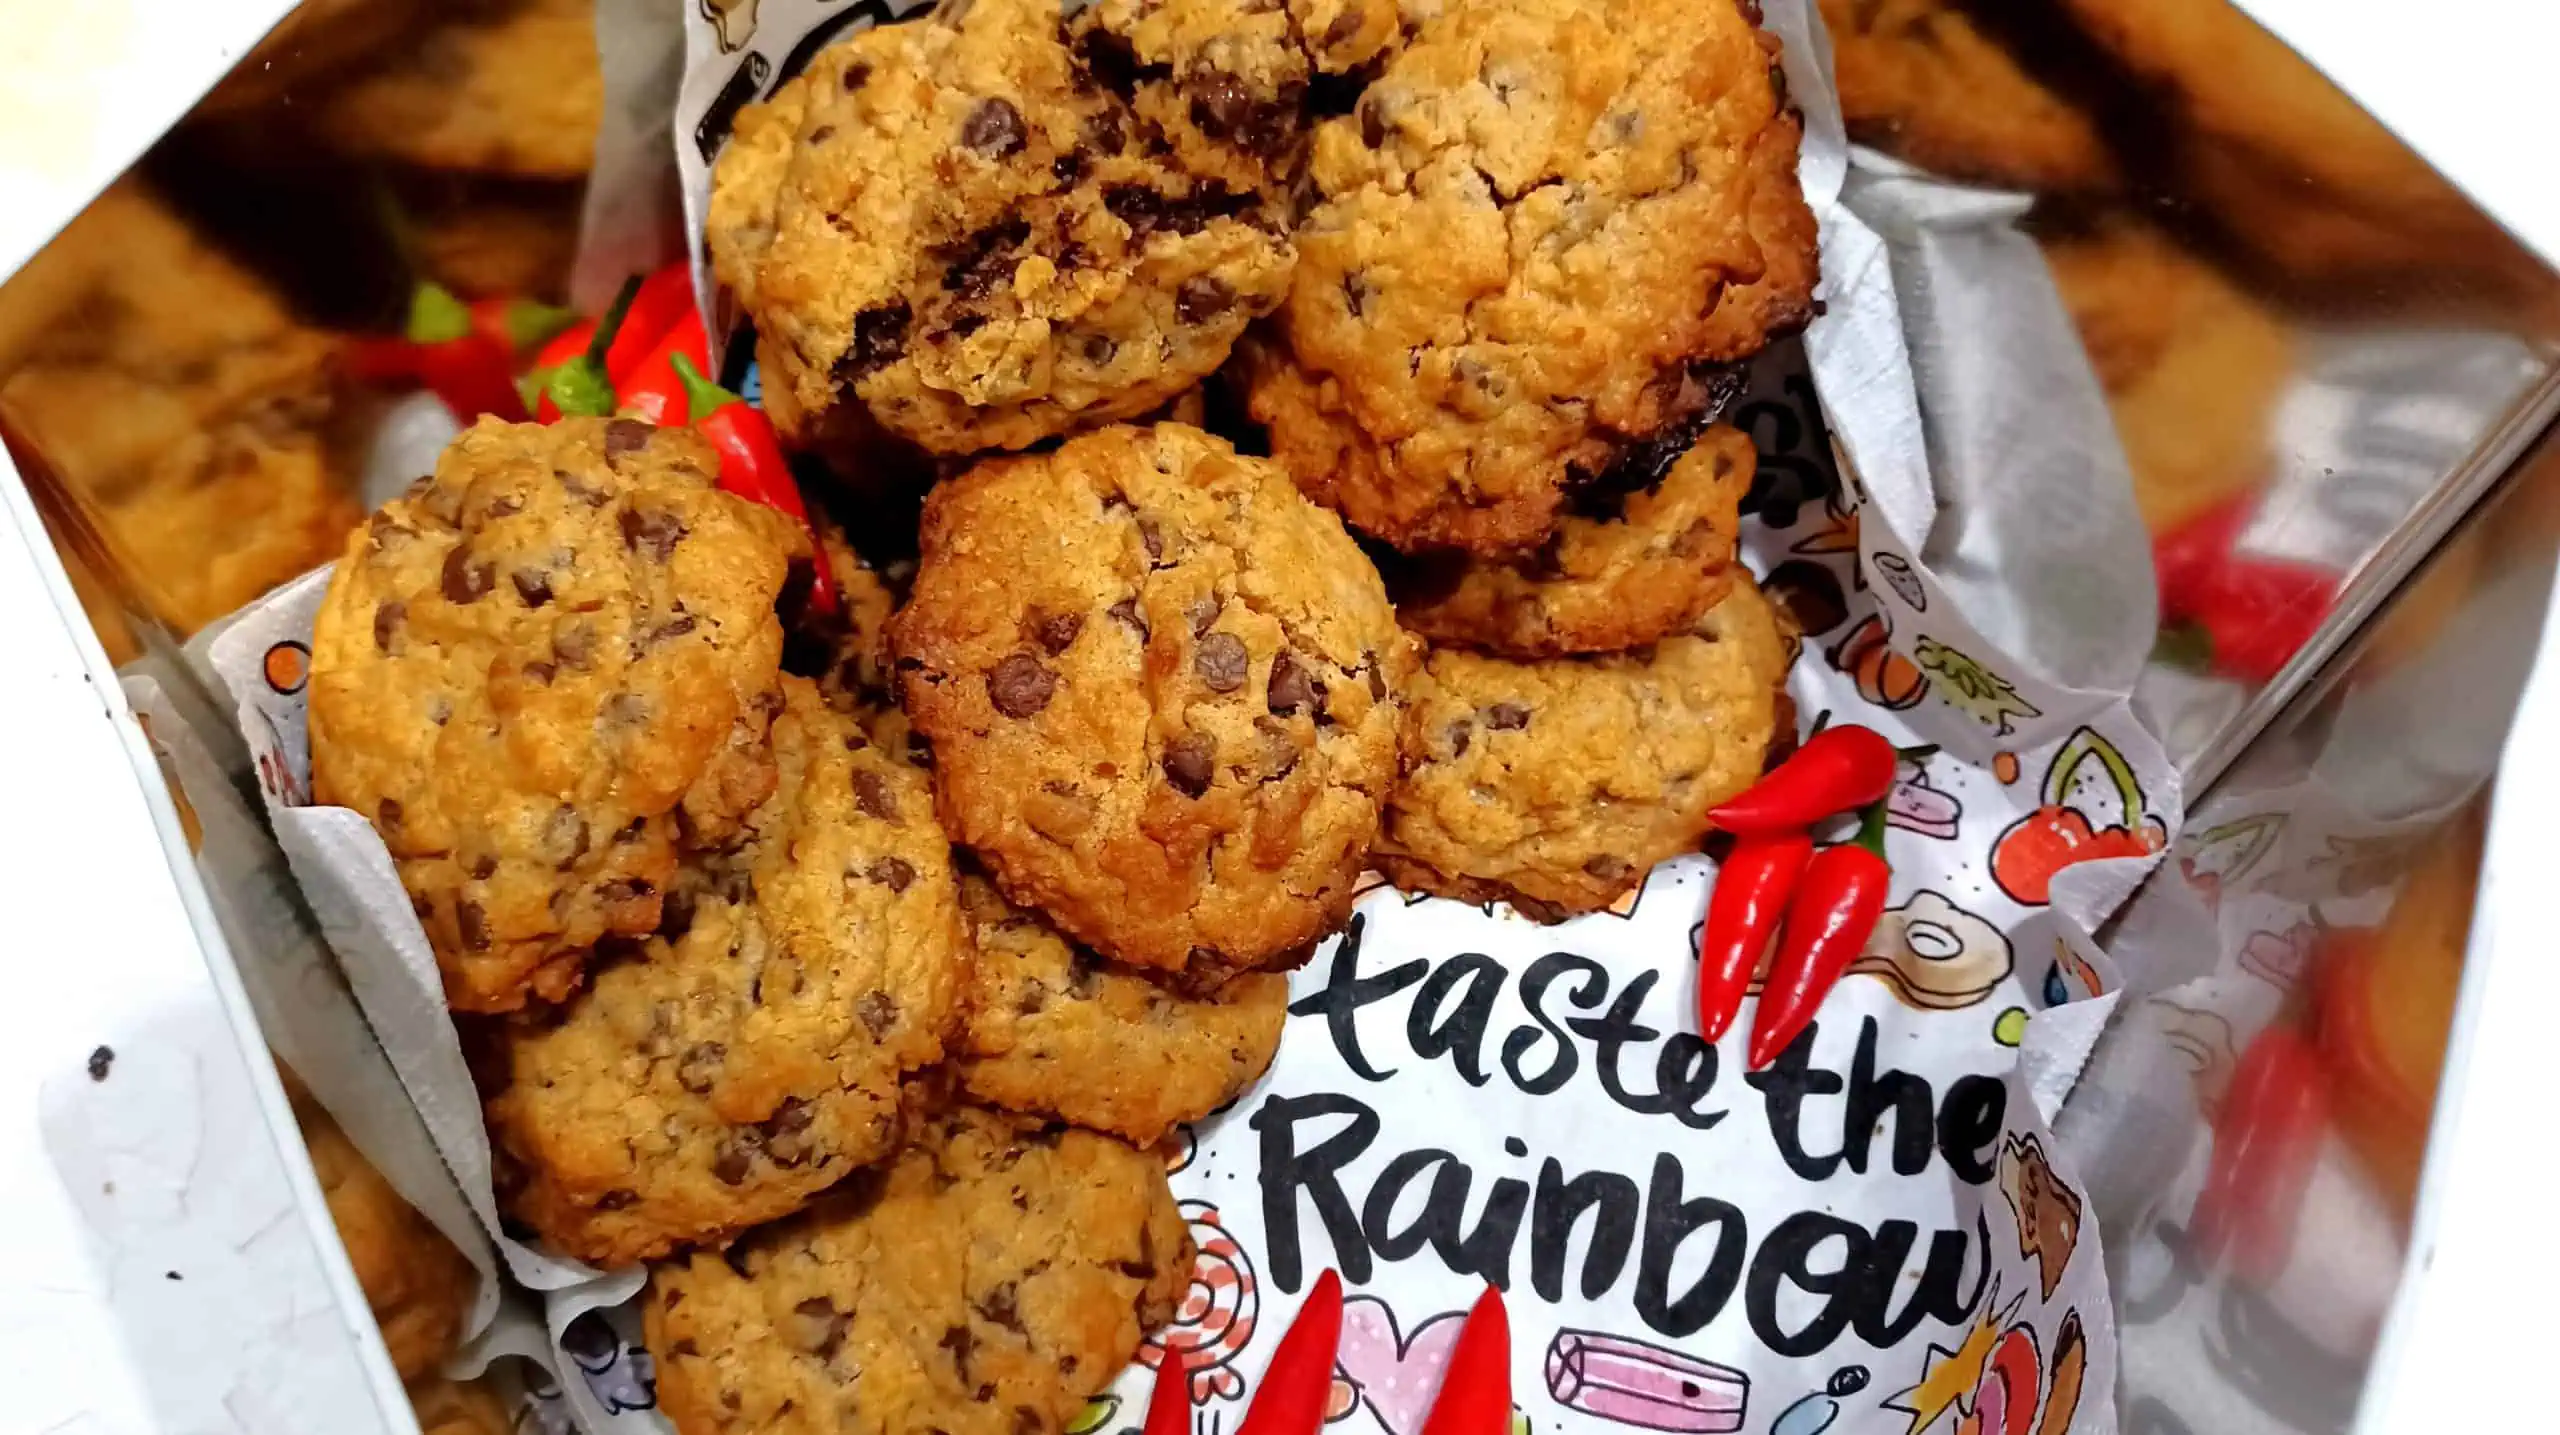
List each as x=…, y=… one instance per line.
x=503, y=88
x=1929, y=82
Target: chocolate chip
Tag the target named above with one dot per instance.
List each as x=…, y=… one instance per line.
x=980, y=264
x=1099, y=349
x=675, y=915
x=1291, y=687
x=1344, y=26
x=666, y=632
x=789, y=1119
x=1608, y=868
x=1202, y=612
x=483, y=867
x=655, y=532
x=818, y=1327
x=1126, y=611
x=1151, y=540
x=574, y=646
x=579, y=489
x=534, y=588
x=700, y=1066
x=1027, y=1421
x=1067, y=168
x=1202, y=298
x=1221, y=661
x=617, y=1199
x=1105, y=132
x=1020, y=687
x=822, y=134
x=879, y=339
x=1221, y=106
x=1190, y=762
x=999, y=1307
x=386, y=815
x=1506, y=717
x=879, y=1013
x=856, y=76
x=959, y=1342
x=893, y=873
x=994, y=128
x=1373, y=122
x=1377, y=679
x=733, y=1162
x=1356, y=292
x=871, y=793
x=386, y=623
x=473, y=924
x=1057, y=632
x=464, y=581
x=626, y=436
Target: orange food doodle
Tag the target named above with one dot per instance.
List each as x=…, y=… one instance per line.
x=1884, y=677
x=2004, y=766
x=287, y=667
x=2059, y=833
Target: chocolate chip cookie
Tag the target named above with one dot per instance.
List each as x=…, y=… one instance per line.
x=513, y=88
x=1927, y=80
x=1619, y=571
x=1055, y=1031
x=536, y=673
x=979, y=228
x=989, y=1282
x=1160, y=687
x=751, y=1054
x=1513, y=263
x=1556, y=786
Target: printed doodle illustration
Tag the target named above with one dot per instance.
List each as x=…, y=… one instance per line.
x=1997, y=1381
x=1914, y=806
x=735, y=20
x=1884, y=676
x=1822, y=1409
x=2093, y=807
x=1632, y=1382
x=1972, y=688
x=1935, y=955
x=1215, y=1320
x=619, y=1375
x=1396, y=1375
x=2048, y=1210
x=2212, y=860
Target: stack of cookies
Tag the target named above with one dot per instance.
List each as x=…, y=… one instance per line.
x=844, y=968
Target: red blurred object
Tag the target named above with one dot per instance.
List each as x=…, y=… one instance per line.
x=1475, y=1391
x=1829, y=919
x=1169, y=1407
x=1752, y=886
x=654, y=390
x=1299, y=1383
x=2253, y=613
x=751, y=463
x=562, y=349
x=1839, y=769
x=2265, y=1138
x=663, y=298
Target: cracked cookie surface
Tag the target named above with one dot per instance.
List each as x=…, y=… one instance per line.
x=1054, y=1030
x=991, y=230
x=751, y=1054
x=1160, y=688
x=1625, y=573
x=1515, y=258
x=535, y=673
x=990, y=1281
x=1556, y=786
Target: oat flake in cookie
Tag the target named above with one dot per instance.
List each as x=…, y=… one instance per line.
x=989, y=1282
x=980, y=229
x=1514, y=262
x=538, y=672
x=1160, y=688
x=1556, y=786
x=1621, y=570
x=1054, y=1030
x=751, y=1055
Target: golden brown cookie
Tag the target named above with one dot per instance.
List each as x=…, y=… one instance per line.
x=513, y=89
x=417, y=1284
x=1781, y=300
x=752, y=1053
x=1925, y=80
x=1054, y=1030
x=2192, y=365
x=1619, y=572
x=454, y=1407
x=989, y=1282
x=537, y=673
x=1513, y=262
x=970, y=227
x=190, y=413
x=485, y=237
x=1160, y=689
x=1556, y=786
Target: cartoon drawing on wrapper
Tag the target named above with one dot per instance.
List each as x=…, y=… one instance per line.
x=1972, y=688
x=618, y=1374
x=286, y=667
x=1904, y=583
x=1996, y=1381
x=2092, y=807
x=2070, y=977
x=2279, y=958
x=733, y=20
x=1884, y=677
x=1809, y=594
x=2048, y=1210
x=1096, y=1414
x=1934, y=955
x=1215, y=1321
x=1821, y=1409
x=1394, y=1373
x=1179, y=1148
x=1651, y=1387
x=1914, y=806
x=2214, y=859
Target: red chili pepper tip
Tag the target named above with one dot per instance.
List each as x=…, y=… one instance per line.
x=1834, y=911
x=1299, y=1383
x=1169, y=1407
x=1475, y=1391
x=1752, y=886
x=1839, y=769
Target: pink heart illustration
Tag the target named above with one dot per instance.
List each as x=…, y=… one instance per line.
x=1397, y=1374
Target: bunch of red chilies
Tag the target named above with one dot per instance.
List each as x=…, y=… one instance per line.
x=644, y=359
x=1296, y=1394
x=1830, y=899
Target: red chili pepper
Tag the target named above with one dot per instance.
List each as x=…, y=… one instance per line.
x=2265, y=1138
x=471, y=372
x=2253, y=613
x=519, y=325
x=562, y=347
x=580, y=387
x=1752, y=885
x=751, y=463
x=663, y=298
x=1475, y=1391
x=1299, y=1383
x=655, y=391
x=1833, y=913
x=1839, y=769
x=1169, y=1407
